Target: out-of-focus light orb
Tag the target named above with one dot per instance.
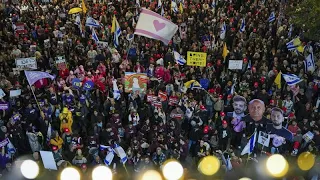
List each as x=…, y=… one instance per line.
x=277, y=165
x=29, y=169
x=101, y=173
x=306, y=161
x=244, y=178
x=209, y=165
x=70, y=173
x=172, y=170
x=151, y=175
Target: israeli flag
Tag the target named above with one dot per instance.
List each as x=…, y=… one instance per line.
x=78, y=20
x=291, y=79
x=243, y=25
x=11, y=148
x=138, y=3
x=272, y=17
x=179, y=59
x=162, y=11
x=103, y=147
x=121, y=153
x=130, y=37
x=291, y=46
x=290, y=31
x=92, y=22
x=228, y=163
x=109, y=158
x=249, y=64
x=309, y=63
x=116, y=92
x=174, y=6
x=116, y=35
x=159, y=4
x=213, y=4
x=250, y=145
x=223, y=31
x=94, y=35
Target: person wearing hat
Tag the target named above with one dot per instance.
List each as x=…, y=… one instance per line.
x=224, y=134
x=56, y=142
x=66, y=120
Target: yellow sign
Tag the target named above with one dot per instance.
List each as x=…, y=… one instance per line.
x=197, y=59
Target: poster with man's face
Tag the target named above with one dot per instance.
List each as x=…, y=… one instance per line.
x=256, y=109
x=239, y=105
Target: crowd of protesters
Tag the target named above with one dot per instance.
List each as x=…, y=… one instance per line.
x=73, y=123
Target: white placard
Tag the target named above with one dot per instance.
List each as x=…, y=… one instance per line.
x=46, y=43
x=2, y=94
x=308, y=136
x=48, y=160
x=235, y=64
x=26, y=63
x=33, y=48
x=14, y=93
x=102, y=45
x=264, y=139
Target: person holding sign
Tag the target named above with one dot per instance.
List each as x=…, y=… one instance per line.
x=278, y=133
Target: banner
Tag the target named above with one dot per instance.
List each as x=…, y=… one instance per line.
x=26, y=63
x=102, y=44
x=20, y=28
x=4, y=106
x=76, y=83
x=235, y=64
x=60, y=62
x=264, y=139
x=135, y=82
x=4, y=142
x=197, y=59
x=88, y=85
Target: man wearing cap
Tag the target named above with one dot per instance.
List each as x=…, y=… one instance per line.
x=224, y=136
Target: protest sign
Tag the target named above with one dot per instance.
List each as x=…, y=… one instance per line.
x=102, y=45
x=20, y=28
x=4, y=106
x=264, y=139
x=135, y=82
x=235, y=64
x=26, y=63
x=88, y=85
x=60, y=62
x=14, y=93
x=33, y=48
x=48, y=160
x=196, y=59
x=46, y=43
x=76, y=83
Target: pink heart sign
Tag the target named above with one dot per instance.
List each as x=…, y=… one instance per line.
x=158, y=25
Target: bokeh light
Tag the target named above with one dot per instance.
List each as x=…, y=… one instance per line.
x=151, y=175
x=172, y=170
x=209, y=165
x=101, y=173
x=29, y=169
x=244, y=178
x=277, y=165
x=70, y=173
x=306, y=161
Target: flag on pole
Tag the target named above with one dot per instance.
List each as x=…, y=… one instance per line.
x=11, y=148
x=243, y=25
x=174, y=6
x=116, y=30
x=94, y=35
x=109, y=158
x=34, y=76
x=159, y=4
x=290, y=31
x=291, y=79
x=116, y=92
x=249, y=64
x=213, y=4
x=250, y=145
x=192, y=84
x=138, y=3
x=92, y=22
x=153, y=25
x=309, y=63
x=83, y=6
x=277, y=81
x=78, y=23
x=272, y=17
x=295, y=45
x=121, y=153
x=181, y=8
x=162, y=11
x=179, y=59
x=225, y=51
x=223, y=31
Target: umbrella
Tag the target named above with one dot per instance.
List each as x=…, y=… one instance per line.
x=75, y=10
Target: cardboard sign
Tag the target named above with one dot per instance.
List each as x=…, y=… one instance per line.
x=135, y=82
x=196, y=59
x=4, y=106
x=20, y=28
x=102, y=45
x=60, y=62
x=26, y=63
x=308, y=136
x=264, y=139
x=235, y=64
x=48, y=160
x=14, y=93
x=46, y=43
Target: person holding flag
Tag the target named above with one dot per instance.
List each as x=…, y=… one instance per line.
x=115, y=29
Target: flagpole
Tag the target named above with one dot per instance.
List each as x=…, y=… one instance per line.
x=36, y=100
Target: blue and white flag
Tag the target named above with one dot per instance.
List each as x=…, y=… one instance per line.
x=243, y=25
x=272, y=17
x=121, y=153
x=159, y=4
x=138, y=3
x=94, y=35
x=162, y=11
x=174, y=6
x=228, y=163
x=116, y=92
x=290, y=31
x=213, y=4
x=92, y=22
x=309, y=63
x=250, y=145
x=116, y=35
x=109, y=158
x=11, y=148
x=291, y=79
x=249, y=64
x=223, y=31
x=179, y=59
x=78, y=20
x=103, y=147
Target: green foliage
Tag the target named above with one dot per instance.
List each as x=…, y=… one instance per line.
x=306, y=15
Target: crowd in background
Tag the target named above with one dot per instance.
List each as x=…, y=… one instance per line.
x=73, y=123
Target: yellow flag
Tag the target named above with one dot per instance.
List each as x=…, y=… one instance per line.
x=84, y=8
x=225, y=51
x=277, y=81
x=114, y=20
x=188, y=84
x=181, y=8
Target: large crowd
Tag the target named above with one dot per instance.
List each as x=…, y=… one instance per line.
x=77, y=125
